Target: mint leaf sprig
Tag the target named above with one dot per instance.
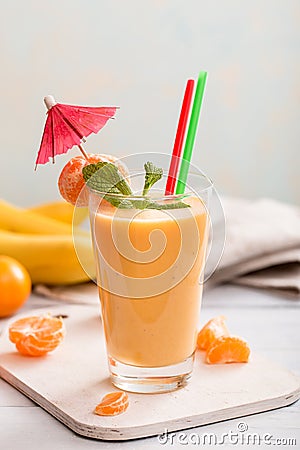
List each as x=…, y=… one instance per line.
x=153, y=174
x=105, y=177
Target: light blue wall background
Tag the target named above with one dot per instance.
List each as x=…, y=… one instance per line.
x=138, y=54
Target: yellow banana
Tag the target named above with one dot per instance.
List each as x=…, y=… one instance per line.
x=21, y=220
x=50, y=259
x=62, y=211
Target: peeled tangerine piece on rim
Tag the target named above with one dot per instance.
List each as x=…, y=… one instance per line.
x=71, y=183
x=228, y=349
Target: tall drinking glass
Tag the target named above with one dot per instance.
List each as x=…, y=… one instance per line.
x=150, y=265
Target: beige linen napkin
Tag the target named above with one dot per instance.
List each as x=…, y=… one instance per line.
x=262, y=247
x=262, y=250
x=84, y=294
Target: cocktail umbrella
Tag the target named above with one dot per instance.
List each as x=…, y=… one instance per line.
x=69, y=125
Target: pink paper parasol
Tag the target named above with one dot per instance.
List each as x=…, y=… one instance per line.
x=69, y=125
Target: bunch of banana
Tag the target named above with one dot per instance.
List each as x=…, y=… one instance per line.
x=62, y=211
x=41, y=238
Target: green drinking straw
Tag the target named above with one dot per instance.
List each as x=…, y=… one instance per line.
x=191, y=134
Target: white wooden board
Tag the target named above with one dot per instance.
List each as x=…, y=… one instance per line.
x=70, y=382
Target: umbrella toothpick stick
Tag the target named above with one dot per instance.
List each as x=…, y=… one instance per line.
x=50, y=101
x=82, y=151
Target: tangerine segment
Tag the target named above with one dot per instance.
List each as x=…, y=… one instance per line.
x=112, y=404
x=228, y=349
x=37, y=335
x=212, y=330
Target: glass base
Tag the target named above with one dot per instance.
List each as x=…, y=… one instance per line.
x=150, y=380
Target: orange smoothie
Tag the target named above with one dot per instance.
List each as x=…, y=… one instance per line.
x=149, y=266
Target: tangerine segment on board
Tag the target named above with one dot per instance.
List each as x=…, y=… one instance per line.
x=228, y=349
x=112, y=404
x=212, y=330
x=37, y=335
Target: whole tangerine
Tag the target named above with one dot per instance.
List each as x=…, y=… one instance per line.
x=15, y=285
x=71, y=182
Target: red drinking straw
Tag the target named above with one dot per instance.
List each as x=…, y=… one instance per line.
x=180, y=133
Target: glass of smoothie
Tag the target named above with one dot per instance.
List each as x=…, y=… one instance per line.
x=150, y=266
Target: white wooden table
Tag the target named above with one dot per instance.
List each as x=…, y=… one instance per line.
x=271, y=326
